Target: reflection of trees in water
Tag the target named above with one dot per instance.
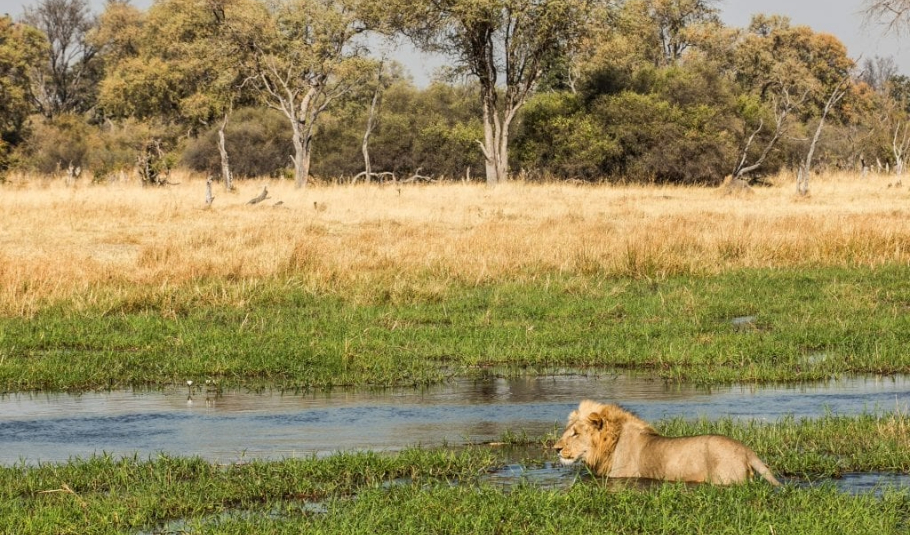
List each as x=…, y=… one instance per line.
x=611, y=388
x=482, y=391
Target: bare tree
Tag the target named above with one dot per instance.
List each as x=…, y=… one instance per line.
x=783, y=104
x=900, y=142
x=802, y=178
x=895, y=14
x=878, y=71
x=371, y=125
x=226, y=174
x=63, y=84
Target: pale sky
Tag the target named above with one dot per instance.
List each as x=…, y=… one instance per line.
x=842, y=18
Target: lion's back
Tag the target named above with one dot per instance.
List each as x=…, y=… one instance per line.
x=701, y=458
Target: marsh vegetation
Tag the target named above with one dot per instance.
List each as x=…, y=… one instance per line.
x=107, y=286
x=421, y=491
x=117, y=286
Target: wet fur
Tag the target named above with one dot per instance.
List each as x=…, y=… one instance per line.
x=614, y=442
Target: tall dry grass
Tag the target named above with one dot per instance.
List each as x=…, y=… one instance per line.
x=80, y=241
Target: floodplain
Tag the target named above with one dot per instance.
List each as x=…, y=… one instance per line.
x=114, y=287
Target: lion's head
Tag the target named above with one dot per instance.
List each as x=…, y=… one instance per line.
x=591, y=435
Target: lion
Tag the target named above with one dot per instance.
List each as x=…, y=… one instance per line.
x=613, y=442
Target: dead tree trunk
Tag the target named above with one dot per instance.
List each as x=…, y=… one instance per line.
x=209, y=198
x=261, y=197
x=802, y=178
x=899, y=145
x=226, y=175
x=365, y=145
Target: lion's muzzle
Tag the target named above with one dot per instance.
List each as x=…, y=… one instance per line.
x=565, y=457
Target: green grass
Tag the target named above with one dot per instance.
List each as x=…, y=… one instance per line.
x=808, y=324
x=444, y=491
x=105, y=495
x=587, y=509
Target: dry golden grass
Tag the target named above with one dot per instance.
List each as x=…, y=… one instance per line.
x=60, y=241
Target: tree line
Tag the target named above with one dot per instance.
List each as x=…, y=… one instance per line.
x=591, y=90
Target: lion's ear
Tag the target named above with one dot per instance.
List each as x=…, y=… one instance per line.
x=596, y=420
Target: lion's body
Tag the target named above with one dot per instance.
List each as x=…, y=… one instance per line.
x=615, y=443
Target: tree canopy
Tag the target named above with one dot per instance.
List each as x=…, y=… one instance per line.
x=21, y=46
x=627, y=90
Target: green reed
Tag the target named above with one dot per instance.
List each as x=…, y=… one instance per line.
x=748, y=326
x=444, y=490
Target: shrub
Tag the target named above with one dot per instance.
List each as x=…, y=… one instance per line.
x=57, y=143
x=258, y=142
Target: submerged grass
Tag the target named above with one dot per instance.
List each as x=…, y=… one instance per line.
x=444, y=491
x=748, y=325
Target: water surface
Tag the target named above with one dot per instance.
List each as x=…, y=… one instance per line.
x=237, y=425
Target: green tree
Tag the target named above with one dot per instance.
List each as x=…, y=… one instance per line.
x=177, y=64
x=506, y=45
x=624, y=37
x=786, y=73
x=118, y=34
x=646, y=115
x=21, y=46
x=559, y=136
x=305, y=58
x=670, y=27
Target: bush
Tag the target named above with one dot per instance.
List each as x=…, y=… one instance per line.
x=57, y=143
x=258, y=142
x=665, y=142
x=119, y=147
x=103, y=151
x=556, y=136
x=435, y=130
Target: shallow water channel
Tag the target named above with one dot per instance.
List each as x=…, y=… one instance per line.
x=235, y=425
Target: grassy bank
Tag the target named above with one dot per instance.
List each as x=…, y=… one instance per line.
x=115, y=285
x=747, y=325
x=443, y=491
